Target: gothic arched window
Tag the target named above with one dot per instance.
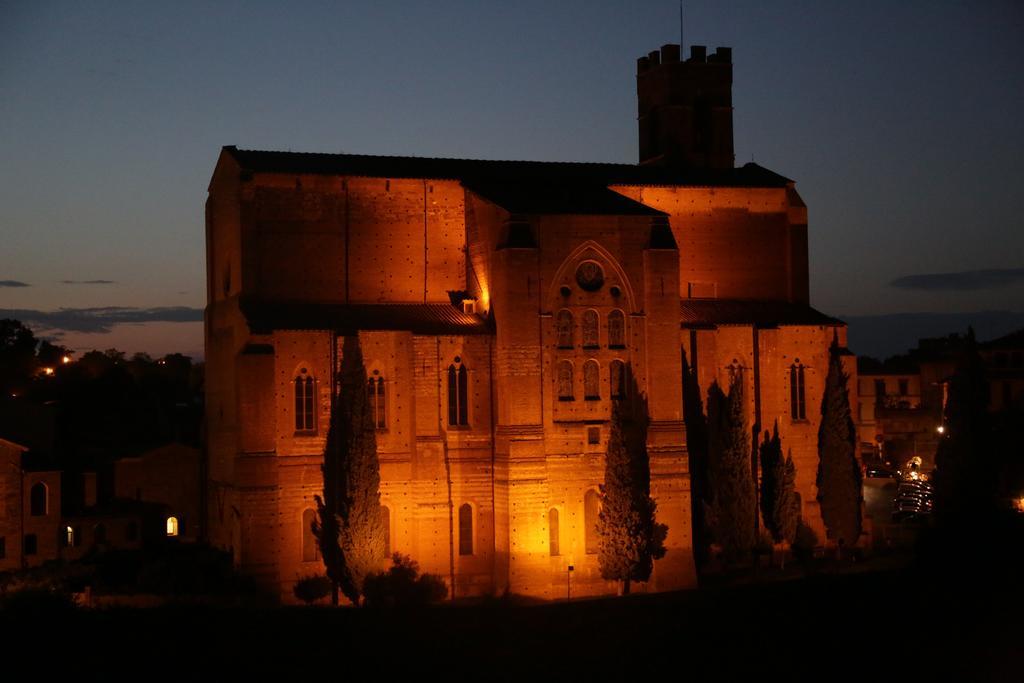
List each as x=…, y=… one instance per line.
x=565, y=392
x=305, y=402
x=591, y=380
x=616, y=329
x=458, y=394
x=376, y=400
x=553, y=546
x=591, y=514
x=797, y=391
x=310, y=549
x=590, y=324
x=38, y=500
x=618, y=379
x=465, y=529
x=564, y=327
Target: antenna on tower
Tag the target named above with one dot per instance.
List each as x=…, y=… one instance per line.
x=682, y=45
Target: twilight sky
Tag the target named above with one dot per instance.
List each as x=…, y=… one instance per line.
x=900, y=122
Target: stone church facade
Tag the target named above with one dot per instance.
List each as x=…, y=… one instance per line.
x=501, y=306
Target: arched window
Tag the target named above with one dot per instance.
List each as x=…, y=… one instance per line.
x=310, y=549
x=466, y=529
x=591, y=381
x=590, y=324
x=565, y=392
x=591, y=513
x=172, y=526
x=385, y=521
x=797, y=392
x=618, y=379
x=564, y=326
x=38, y=503
x=616, y=330
x=305, y=402
x=376, y=401
x=553, y=547
x=458, y=394
x=69, y=537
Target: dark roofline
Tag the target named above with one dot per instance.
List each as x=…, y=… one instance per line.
x=264, y=317
x=373, y=166
x=711, y=313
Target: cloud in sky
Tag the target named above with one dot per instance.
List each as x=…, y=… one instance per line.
x=88, y=282
x=101, y=320
x=963, y=281
x=13, y=283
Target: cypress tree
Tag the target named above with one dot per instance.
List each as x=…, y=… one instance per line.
x=839, y=478
x=630, y=537
x=780, y=507
x=697, y=449
x=731, y=482
x=964, y=477
x=349, y=527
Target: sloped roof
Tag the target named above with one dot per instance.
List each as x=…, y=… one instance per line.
x=713, y=312
x=485, y=170
x=265, y=317
x=1013, y=340
x=589, y=199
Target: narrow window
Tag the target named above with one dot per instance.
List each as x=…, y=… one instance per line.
x=565, y=381
x=310, y=550
x=904, y=387
x=591, y=381
x=564, y=326
x=69, y=537
x=3, y=547
x=797, y=393
x=618, y=379
x=593, y=435
x=458, y=394
x=305, y=390
x=591, y=512
x=172, y=526
x=590, y=324
x=466, y=529
x=376, y=400
x=553, y=548
x=38, y=500
x=99, y=534
x=31, y=544
x=616, y=330
x=879, y=389
x=385, y=521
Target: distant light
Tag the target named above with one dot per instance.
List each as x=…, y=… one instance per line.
x=940, y=429
x=161, y=362
x=1018, y=504
x=48, y=371
x=65, y=359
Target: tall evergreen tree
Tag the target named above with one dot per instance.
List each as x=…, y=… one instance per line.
x=839, y=478
x=349, y=527
x=732, y=485
x=697, y=449
x=630, y=537
x=965, y=475
x=780, y=507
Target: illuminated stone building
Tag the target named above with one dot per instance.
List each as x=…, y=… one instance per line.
x=500, y=306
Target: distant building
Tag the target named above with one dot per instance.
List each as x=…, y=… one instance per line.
x=501, y=307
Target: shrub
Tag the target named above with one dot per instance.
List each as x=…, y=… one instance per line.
x=402, y=585
x=311, y=588
x=805, y=542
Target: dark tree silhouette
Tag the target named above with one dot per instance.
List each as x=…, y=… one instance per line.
x=630, y=537
x=731, y=483
x=964, y=478
x=780, y=506
x=697, y=450
x=348, y=527
x=839, y=478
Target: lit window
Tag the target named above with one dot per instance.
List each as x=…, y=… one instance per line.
x=553, y=547
x=69, y=537
x=376, y=399
x=797, y=392
x=616, y=329
x=305, y=401
x=591, y=514
x=565, y=381
x=172, y=526
x=38, y=503
x=591, y=380
x=310, y=550
x=466, y=529
x=618, y=379
x=590, y=325
x=458, y=394
x=564, y=326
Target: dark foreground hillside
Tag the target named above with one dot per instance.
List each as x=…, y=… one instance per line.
x=877, y=626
